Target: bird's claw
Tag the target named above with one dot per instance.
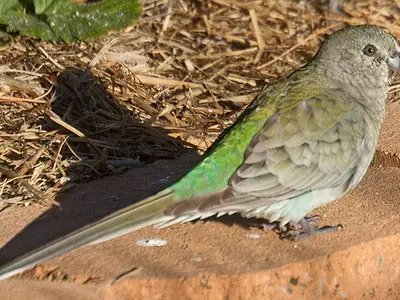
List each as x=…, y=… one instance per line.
x=305, y=229
x=291, y=226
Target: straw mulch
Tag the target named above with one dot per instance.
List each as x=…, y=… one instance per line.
x=173, y=81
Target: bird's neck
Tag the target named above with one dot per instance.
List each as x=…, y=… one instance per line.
x=373, y=100
x=363, y=89
x=365, y=92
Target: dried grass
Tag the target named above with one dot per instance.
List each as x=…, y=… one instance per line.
x=176, y=79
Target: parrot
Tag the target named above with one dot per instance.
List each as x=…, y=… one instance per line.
x=304, y=141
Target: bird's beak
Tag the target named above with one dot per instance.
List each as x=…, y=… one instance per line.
x=394, y=61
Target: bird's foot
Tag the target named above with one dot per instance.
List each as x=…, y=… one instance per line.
x=296, y=231
x=274, y=226
x=305, y=229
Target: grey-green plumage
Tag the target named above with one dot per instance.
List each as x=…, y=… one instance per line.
x=304, y=141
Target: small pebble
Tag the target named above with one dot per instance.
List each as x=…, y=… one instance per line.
x=151, y=243
x=253, y=235
x=162, y=180
x=196, y=259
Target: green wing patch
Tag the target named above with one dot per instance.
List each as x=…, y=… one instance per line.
x=226, y=154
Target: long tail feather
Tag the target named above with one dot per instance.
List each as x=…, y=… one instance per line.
x=145, y=213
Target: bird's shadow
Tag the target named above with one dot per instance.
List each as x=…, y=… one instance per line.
x=111, y=132
x=89, y=202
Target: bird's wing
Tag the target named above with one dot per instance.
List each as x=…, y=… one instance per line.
x=307, y=143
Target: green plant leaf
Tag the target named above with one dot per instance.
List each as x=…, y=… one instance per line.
x=66, y=20
x=42, y=5
x=9, y=5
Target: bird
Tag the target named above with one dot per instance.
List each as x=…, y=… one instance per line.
x=304, y=141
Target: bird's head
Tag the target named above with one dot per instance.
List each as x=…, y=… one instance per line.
x=363, y=56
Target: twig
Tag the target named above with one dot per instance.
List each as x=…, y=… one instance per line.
x=257, y=32
x=16, y=99
x=55, y=118
x=226, y=54
x=310, y=37
x=166, y=82
x=51, y=59
x=10, y=174
x=166, y=20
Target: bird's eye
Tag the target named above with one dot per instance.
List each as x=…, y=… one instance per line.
x=394, y=54
x=370, y=50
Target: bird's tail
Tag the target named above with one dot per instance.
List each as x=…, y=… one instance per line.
x=145, y=213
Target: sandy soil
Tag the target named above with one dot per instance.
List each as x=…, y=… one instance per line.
x=211, y=247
